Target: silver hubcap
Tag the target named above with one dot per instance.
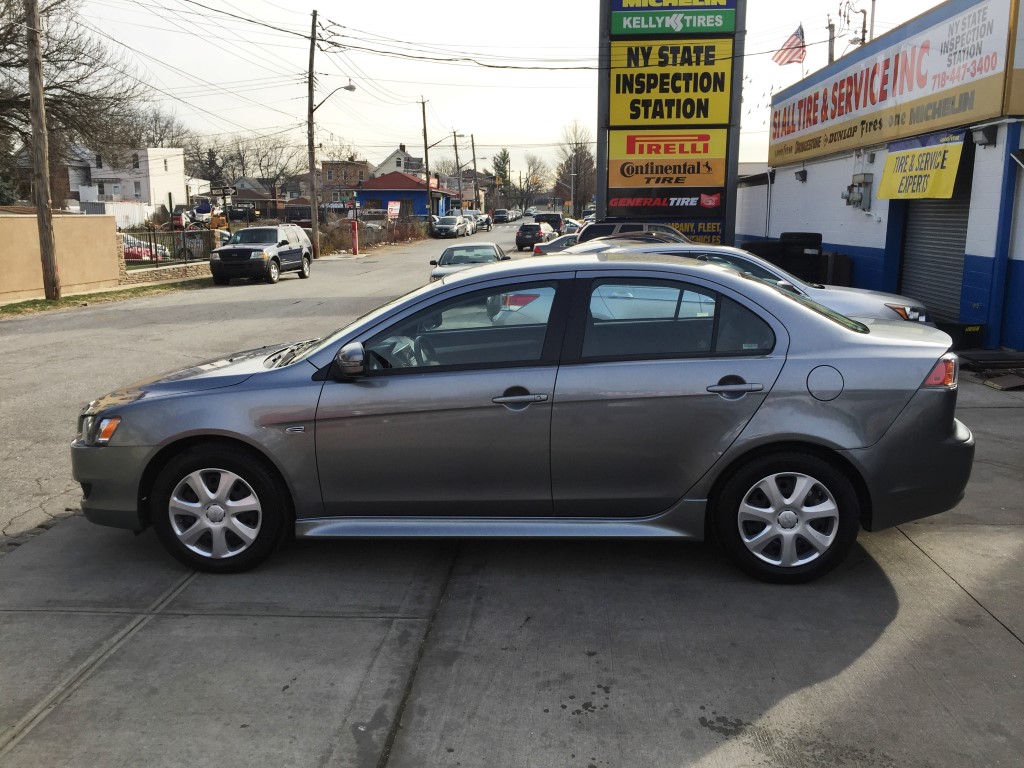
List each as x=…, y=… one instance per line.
x=273, y=271
x=788, y=519
x=215, y=513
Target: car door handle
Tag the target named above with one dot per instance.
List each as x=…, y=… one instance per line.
x=506, y=399
x=718, y=388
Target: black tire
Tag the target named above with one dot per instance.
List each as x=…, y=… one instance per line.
x=304, y=270
x=207, y=464
x=221, y=280
x=273, y=272
x=771, y=539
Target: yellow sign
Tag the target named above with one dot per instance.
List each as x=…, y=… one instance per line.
x=924, y=166
x=670, y=82
x=677, y=158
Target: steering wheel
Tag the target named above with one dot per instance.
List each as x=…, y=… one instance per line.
x=425, y=352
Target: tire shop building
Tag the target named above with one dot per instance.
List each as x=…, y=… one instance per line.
x=907, y=157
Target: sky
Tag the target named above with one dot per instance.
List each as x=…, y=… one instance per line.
x=509, y=75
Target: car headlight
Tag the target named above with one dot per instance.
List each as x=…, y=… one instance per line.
x=908, y=312
x=214, y=257
x=97, y=430
x=264, y=254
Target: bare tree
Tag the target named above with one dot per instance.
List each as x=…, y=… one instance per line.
x=575, y=175
x=533, y=181
x=90, y=93
x=444, y=165
x=153, y=127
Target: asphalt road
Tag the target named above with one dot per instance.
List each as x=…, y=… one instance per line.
x=474, y=653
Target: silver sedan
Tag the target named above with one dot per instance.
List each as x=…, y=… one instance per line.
x=646, y=397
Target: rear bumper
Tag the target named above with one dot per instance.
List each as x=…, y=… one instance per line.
x=110, y=483
x=921, y=466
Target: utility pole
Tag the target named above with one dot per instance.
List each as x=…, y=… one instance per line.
x=872, y=32
x=41, y=154
x=314, y=208
x=458, y=168
x=831, y=41
x=426, y=151
x=476, y=186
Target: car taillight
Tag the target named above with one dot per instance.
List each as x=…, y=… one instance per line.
x=944, y=374
x=514, y=301
x=537, y=250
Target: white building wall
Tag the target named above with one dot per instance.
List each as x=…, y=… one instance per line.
x=166, y=176
x=816, y=205
x=986, y=189
x=751, y=211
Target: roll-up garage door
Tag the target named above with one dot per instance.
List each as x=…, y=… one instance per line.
x=934, y=242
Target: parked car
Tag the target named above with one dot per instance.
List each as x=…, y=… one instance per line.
x=528, y=235
x=501, y=216
x=858, y=303
x=484, y=222
x=703, y=401
x=554, y=246
x=556, y=220
x=531, y=211
x=571, y=226
x=470, y=224
x=590, y=210
x=623, y=240
x=603, y=228
x=263, y=252
x=141, y=249
x=459, y=257
x=451, y=226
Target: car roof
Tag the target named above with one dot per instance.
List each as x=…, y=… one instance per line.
x=607, y=260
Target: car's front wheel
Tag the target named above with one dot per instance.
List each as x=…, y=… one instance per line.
x=219, y=509
x=787, y=517
x=273, y=271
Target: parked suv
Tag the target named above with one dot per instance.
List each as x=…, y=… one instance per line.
x=263, y=252
x=528, y=235
x=451, y=226
x=501, y=216
x=606, y=228
x=556, y=220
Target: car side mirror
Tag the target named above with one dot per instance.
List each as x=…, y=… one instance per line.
x=786, y=286
x=433, y=262
x=505, y=258
x=283, y=242
x=349, y=361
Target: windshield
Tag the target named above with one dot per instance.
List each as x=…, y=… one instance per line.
x=250, y=236
x=448, y=220
x=463, y=255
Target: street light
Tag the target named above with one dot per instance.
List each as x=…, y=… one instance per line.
x=314, y=207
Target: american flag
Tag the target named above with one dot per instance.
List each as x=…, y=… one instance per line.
x=793, y=50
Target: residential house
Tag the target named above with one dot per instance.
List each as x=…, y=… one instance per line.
x=399, y=160
x=153, y=176
x=339, y=179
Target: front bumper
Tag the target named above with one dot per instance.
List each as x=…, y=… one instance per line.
x=922, y=464
x=110, y=478
x=243, y=268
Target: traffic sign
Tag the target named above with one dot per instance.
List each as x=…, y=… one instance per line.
x=219, y=191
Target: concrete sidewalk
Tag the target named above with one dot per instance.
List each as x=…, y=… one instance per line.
x=492, y=653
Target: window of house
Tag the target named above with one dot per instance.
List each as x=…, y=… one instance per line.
x=330, y=174
x=99, y=161
x=100, y=188
x=344, y=175
x=138, y=189
x=135, y=160
x=335, y=197
x=398, y=162
x=360, y=175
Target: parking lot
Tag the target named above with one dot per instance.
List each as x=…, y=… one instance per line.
x=474, y=653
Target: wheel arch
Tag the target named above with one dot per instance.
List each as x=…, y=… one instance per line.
x=813, y=449
x=169, y=451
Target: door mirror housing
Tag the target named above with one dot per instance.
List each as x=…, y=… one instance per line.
x=348, y=363
x=283, y=242
x=433, y=262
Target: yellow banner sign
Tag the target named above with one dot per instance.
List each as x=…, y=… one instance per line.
x=680, y=158
x=670, y=82
x=924, y=166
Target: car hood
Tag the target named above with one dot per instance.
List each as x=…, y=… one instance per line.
x=438, y=272
x=211, y=374
x=860, y=303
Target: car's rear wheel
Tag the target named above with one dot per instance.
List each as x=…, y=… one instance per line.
x=273, y=271
x=219, y=509
x=787, y=517
x=304, y=272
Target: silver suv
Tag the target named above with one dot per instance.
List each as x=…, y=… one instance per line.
x=605, y=228
x=262, y=252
